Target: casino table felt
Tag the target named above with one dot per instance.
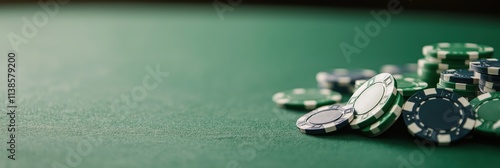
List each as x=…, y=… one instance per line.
x=212, y=105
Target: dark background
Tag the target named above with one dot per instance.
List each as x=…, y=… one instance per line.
x=455, y=6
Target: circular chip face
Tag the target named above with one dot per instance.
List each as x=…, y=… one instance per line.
x=325, y=119
x=373, y=99
x=459, y=86
x=438, y=115
x=399, y=69
x=386, y=121
x=422, y=63
x=487, y=108
x=490, y=66
x=460, y=51
x=459, y=76
x=408, y=86
x=306, y=99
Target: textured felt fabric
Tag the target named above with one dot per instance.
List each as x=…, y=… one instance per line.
x=214, y=107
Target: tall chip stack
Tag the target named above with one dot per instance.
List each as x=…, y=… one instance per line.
x=443, y=56
x=487, y=70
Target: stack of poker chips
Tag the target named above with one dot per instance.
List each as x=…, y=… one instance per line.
x=487, y=70
x=342, y=80
x=443, y=56
x=461, y=81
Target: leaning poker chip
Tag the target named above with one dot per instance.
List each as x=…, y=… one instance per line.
x=306, y=99
x=438, y=115
x=459, y=86
x=459, y=76
x=399, y=69
x=422, y=63
x=408, y=86
x=373, y=99
x=461, y=51
x=487, y=108
x=325, y=119
x=490, y=66
x=386, y=121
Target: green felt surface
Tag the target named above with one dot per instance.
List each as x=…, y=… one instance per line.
x=214, y=108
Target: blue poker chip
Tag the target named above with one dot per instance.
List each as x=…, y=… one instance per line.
x=490, y=66
x=438, y=115
x=459, y=76
x=326, y=119
x=490, y=78
x=342, y=80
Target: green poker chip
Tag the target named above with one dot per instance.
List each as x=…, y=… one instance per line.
x=469, y=95
x=372, y=99
x=306, y=98
x=423, y=63
x=458, y=51
x=386, y=121
x=447, y=61
x=487, y=109
x=459, y=86
x=408, y=86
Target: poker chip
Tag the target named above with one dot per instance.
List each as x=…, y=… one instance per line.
x=399, y=69
x=485, y=89
x=306, y=99
x=408, y=86
x=491, y=85
x=451, y=51
x=438, y=115
x=458, y=86
x=487, y=108
x=459, y=76
x=448, y=61
x=469, y=95
x=372, y=99
x=490, y=66
x=440, y=66
x=325, y=119
x=489, y=78
x=386, y=121
x=342, y=80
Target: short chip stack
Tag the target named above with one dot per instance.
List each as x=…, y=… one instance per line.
x=443, y=56
x=461, y=81
x=377, y=105
x=487, y=70
x=342, y=80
